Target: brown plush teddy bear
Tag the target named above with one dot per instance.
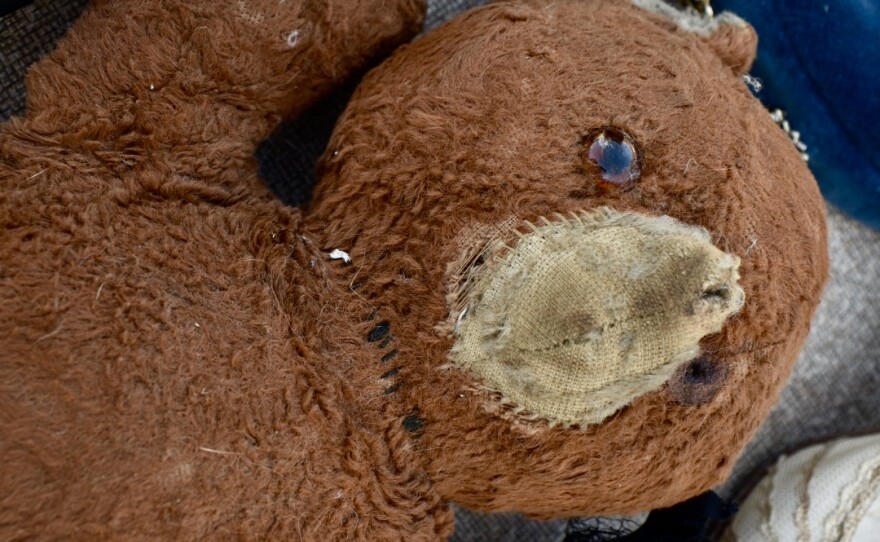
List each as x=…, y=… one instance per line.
x=559, y=261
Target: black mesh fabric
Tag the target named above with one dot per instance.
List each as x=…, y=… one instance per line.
x=287, y=159
x=26, y=35
x=12, y=5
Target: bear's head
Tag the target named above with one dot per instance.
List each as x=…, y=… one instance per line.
x=597, y=253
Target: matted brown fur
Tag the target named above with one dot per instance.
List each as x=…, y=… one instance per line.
x=180, y=359
x=176, y=357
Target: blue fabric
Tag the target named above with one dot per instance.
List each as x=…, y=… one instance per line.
x=819, y=61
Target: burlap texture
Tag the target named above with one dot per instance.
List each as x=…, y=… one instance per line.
x=587, y=313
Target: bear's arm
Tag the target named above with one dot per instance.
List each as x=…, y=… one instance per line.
x=171, y=363
x=175, y=369
x=196, y=84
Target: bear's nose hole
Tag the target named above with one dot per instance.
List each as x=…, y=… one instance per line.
x=716, y=294
x=701, y=371
x=697, y=381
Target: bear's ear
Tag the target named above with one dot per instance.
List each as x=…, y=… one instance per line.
x=733, y=40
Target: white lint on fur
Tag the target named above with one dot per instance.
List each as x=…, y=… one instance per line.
x=779, y=118
x=340, y=255
x=753, y=83
x=292, y=38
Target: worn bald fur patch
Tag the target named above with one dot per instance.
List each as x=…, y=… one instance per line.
x=583, y=315
x=690, y=20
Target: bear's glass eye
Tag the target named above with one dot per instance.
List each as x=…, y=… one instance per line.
x=614, y=154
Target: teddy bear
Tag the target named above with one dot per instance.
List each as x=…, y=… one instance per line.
x=559, y=261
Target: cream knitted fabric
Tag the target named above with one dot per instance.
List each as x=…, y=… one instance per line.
x=824, y=493
x=585, y=314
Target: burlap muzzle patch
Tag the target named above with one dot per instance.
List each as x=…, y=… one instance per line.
x=583, y=315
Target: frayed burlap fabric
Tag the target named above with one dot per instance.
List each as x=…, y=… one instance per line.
x=586, y=313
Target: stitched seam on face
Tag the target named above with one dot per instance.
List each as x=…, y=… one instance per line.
x=581, y=342
x=731, y=353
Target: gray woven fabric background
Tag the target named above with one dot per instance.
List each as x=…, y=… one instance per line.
x=834, y=388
